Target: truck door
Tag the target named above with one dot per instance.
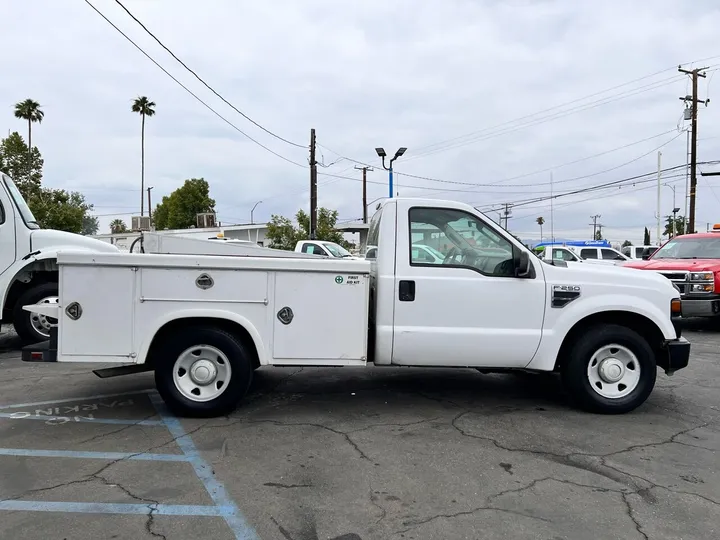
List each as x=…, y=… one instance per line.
x=7, y=231
x=468, y=309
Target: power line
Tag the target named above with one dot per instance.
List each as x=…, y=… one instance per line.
x=202, y=81
x=540, y=171
x=486, y=133
x=190, y=91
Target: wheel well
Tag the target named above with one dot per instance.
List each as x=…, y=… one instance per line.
x=639, y=323
x=32, y=275
x=178, y=325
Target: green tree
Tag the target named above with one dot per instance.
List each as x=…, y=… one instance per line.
x=59, y=209
x=626, y=243
x=118, y=226
x=90, y=225
x=646, y=237
x=540, y=221
x=598, y=234
x=679, y=226
x=24, y=167
x=29, y=110
x=179, y=209
x=283, y=234
x=144, y=107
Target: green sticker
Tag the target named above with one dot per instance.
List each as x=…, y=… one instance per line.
x=338, y=279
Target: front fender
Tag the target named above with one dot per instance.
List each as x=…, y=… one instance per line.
x=559, y=322
x=150, y=331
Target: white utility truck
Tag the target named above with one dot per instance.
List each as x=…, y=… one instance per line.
x=204, y=323
x=28, y=269
x=321, y=247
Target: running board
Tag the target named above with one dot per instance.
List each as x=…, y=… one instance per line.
x=118, y=371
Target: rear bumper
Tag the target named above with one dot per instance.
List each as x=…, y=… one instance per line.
x=674, y=355
x=702, y=307
x=45, y=351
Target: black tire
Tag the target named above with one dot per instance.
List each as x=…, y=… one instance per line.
x=235, y=389
x=575, y=369
x=22, y=320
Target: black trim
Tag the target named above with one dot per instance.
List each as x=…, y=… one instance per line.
x=674, y=355
x=560, y=298
x=515, y=249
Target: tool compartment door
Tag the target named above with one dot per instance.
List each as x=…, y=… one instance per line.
x=96, y=312
x=327, y=317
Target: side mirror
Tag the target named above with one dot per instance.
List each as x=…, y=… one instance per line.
x=524, y=269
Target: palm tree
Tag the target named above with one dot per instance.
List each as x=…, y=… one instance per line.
x=540, y=221
x=143, y=107
x=29, y=110
x=117, y=226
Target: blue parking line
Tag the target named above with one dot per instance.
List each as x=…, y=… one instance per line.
x=82, y=419
x=235, y=520
x=70, y=400
x=116, y=508
x=110, y=456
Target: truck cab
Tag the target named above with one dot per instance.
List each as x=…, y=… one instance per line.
x=28, y=269
x=692, y=263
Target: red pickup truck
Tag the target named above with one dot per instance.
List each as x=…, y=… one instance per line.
x=692, y=263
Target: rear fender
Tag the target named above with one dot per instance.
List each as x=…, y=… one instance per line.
x=150, y=332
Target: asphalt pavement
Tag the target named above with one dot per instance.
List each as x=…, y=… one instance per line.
x=358, y=454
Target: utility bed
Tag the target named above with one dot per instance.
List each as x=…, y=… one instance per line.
x=302, y=310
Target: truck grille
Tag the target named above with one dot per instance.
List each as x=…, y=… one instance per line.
x=678, y=278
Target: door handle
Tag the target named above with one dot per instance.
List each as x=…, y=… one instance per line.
x=407, y=291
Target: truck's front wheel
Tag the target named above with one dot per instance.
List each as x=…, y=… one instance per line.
x=32, y=327
x=202, y=371
x=611, y=370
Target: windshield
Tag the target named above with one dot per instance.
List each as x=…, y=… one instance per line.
x=22, y=206
x=690, y=248
x=337, y=251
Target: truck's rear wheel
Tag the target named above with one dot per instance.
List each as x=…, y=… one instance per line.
x=611, y=370
x=32, y=327
x=202, y=371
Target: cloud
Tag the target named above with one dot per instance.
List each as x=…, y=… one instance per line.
x=369, y=74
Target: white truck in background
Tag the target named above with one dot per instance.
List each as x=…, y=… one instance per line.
x=28, y=269
x=203, y=324
x=324, y=248
x=592, y=255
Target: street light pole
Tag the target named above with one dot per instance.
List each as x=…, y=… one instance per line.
x=381, y=153
x=252, y=212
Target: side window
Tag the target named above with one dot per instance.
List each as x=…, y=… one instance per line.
x=373, y=236
x=462, y=240
x=563, y=255
x=609, y=254
x=589, y=253
x=2, y=214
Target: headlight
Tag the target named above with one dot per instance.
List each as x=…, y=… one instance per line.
x=702, y=276
x=702, y=288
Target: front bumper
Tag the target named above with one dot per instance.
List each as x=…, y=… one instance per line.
x=700, y=307
x=674, y=355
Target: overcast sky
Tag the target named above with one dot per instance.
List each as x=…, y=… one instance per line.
x=455, y=74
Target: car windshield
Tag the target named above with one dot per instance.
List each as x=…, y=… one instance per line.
x=690, y=248
x=336, y=250
x=22, y=206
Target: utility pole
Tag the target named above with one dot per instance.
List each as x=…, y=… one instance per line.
x=313, y=186
x=507, y=214
x=552, y=216
x=695, y=73
x=149, y=204
x=659, y=177
x=364, y=190
x=595, y=225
